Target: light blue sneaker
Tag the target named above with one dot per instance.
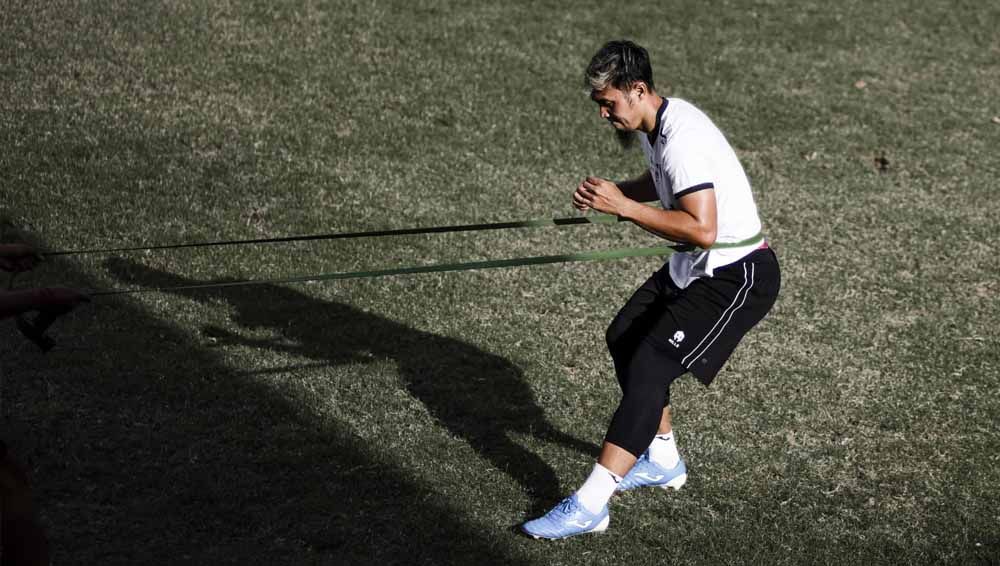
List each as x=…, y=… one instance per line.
x=566, y=519
x=646, y=472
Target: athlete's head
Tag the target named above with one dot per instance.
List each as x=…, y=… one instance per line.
x=619, y=64
x=619, y=77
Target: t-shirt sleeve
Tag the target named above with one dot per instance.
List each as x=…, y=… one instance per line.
x=690, y=172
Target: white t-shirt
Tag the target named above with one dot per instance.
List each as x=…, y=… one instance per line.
x=690, y=154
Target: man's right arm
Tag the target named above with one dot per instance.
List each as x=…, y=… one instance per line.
x=18, y=257
x=13, y=303
x=640, y=189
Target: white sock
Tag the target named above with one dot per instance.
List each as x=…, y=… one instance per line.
x=663, y=450
x=598, y=489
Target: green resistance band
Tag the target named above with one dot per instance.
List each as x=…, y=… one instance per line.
x=757, y=238
x=537, y=223
x=590, y=219
x=601, y=255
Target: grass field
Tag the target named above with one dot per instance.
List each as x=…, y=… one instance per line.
x=417, y=419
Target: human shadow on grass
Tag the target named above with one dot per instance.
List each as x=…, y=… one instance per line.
x=146, y=447
x=478, y=396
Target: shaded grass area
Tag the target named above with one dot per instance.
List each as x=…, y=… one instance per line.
x=173, y=456
x=416, y=419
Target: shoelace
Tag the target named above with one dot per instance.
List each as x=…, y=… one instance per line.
x=567, y=506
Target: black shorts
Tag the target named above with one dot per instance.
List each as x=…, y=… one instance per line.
x=700, y=326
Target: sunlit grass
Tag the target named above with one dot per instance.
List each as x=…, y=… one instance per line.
x=416, y=419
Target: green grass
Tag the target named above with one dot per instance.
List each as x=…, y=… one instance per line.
x=416, y=419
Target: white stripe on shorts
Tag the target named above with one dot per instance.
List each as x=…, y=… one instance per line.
x=727, y=315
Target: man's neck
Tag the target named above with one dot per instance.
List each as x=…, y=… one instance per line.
x=651, y=109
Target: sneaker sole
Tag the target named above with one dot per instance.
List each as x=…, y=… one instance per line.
x=675, y=483
x=600, y=528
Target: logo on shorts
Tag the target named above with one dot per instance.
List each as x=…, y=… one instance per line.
x=677, y=339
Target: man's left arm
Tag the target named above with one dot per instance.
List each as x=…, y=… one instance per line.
x=695, y=221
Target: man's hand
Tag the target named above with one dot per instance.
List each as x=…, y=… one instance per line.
x=51, y=300
x=59, y=298
x=601, y=195
x=18, y=257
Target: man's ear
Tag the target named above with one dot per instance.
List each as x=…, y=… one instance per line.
x=640, y=88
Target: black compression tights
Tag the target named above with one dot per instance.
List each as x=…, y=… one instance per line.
x=645, y=374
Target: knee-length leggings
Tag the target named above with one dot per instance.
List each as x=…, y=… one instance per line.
x=644, y=370
x=663, y=332
x=644, y=374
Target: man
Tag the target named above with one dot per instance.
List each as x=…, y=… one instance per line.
x=689, y=315
x=22, y=539
x=17, y=258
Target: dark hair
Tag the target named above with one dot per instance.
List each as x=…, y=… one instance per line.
x=619, y=64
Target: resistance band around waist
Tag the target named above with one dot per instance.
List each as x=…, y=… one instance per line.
x=602, y=255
